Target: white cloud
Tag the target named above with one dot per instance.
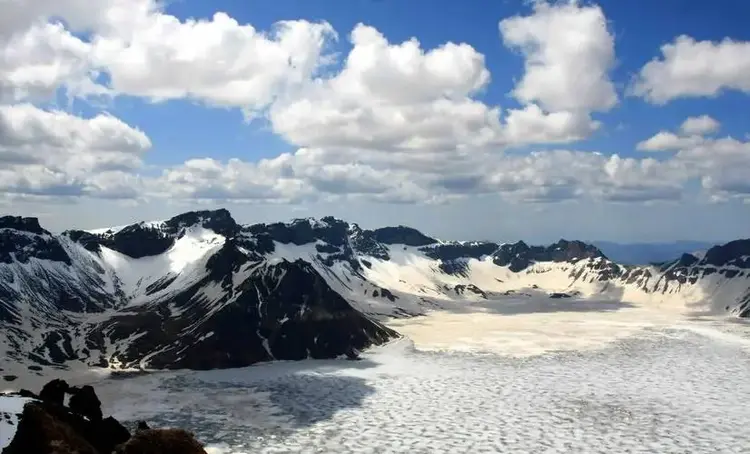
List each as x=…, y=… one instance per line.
x=397, y=123
x=35, y=63
x=695, y=68
x=148, y=53
x=532, y=125
x=80, y=15
x=568, y=51
x=392, y=96
x=721, y=164
x=692, y=134
x=53, y=152
x=666, y=141
x=218, y=61
x=332, y=174
x=700, y=125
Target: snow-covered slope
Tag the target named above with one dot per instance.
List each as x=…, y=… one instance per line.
x=193, y=291
x=201, y=291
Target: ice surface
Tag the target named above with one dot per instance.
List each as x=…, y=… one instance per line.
x=667, y=388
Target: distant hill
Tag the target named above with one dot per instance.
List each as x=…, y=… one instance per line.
x=645, y=253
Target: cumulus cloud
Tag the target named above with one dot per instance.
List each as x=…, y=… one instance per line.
x=49, y=152
x=148, y=53
x=313, y=174
x=691, y=134
x=700, y=125
x=689, y=68
x=217, y=61
x=392, y=96
x=35, y=63
x=399, y=96
x=721, y=164
x=568, y=53
x=396, y=123
x=668, y=141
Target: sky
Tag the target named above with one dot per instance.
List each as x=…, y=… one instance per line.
x=487, y=119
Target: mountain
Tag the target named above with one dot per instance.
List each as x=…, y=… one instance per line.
x=646, y=253
x=196, y=291
x=202, y=291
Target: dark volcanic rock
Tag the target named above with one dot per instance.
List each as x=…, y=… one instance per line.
x=47, y=427
x=143, y=240
x=23, y=238
x=54, y=392
x=519, y=256
x=164, y=441
x=42, y=430
x=220, y=221
x=85, y=402
x=22, y=224
x=402, y=235
x=304, y=231
x=735, y=253
x=453, y=256
x=284, y=311
x=559, y=295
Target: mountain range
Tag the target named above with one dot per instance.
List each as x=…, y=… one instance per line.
x=201, y=291
x=647, y=253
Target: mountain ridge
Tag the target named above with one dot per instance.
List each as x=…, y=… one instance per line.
x=177, y=293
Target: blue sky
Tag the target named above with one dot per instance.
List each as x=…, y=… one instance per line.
x=638, y=37
x=512, y=186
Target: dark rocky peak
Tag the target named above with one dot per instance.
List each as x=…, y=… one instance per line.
x=22, y=224
x=152, y=238
x=519, y=256
x=220, y=221
x=365, y=242
x=734, y=253
x=303, y=231
x=458, y=250
x=402, y=235
x=22, y=239
x=685, y=261
x=138, y=240
x=565, y=250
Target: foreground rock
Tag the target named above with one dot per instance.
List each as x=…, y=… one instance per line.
x=42, y=424
x=161, y=441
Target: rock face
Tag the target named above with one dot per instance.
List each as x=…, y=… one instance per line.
x=164, y=441
x=201, y=291
x=46, y=426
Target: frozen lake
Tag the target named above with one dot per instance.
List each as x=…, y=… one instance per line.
x=625, y=386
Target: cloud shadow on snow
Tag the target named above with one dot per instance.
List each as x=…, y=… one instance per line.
x=541, y=303
x=294, y=393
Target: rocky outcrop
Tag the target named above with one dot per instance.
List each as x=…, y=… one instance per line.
x=161, y=441
x=46, y=426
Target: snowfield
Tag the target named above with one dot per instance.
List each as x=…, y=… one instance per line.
x=551, y=378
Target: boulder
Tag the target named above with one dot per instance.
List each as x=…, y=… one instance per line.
x=47, y=426
x=54, y=392
x=84, y=401
x=161, y=441
x=41, y=431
